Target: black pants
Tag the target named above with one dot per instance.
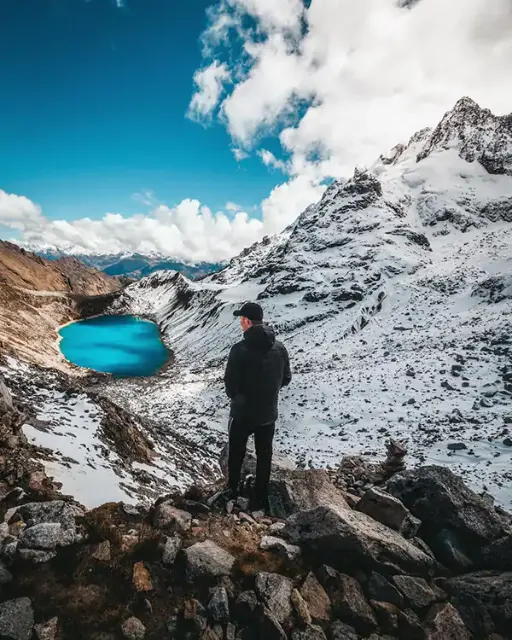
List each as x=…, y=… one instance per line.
x=239, y=434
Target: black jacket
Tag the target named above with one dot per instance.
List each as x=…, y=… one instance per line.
x=258, y=367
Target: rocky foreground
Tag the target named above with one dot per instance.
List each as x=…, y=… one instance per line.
x=374, y=552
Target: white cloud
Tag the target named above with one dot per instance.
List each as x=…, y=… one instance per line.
x=269, y=160
x=365, y=74
x=146, y=198
x=119, y=4
x=18, y=212
x=209, y=86
x=233, y=206
x=240, y=154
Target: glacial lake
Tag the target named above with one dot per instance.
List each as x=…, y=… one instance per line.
x=124, y=346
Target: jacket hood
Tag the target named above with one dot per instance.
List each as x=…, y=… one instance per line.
x=260, y=337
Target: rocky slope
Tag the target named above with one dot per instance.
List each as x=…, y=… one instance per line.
x=414, y=555
x=37, y=295
x=394, y=296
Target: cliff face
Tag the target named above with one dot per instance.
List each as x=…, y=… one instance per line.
x=38, y=295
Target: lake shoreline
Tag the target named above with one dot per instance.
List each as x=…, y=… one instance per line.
x=89, y=373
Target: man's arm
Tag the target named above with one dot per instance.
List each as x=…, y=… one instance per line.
x=232, y=374
x=287, y=374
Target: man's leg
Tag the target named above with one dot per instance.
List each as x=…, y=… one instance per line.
x=263, y=439
x=238, y=436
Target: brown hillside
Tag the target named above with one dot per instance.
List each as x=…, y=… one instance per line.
x=37, y=296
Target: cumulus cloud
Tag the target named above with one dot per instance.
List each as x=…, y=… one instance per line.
x=18, y=212
x=233, y=207
x=269, y=160
x=341, y=82
x=209, y=86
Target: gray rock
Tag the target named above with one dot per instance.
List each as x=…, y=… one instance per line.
x=382, y=590
x=196, y=613
x=103, y=552
x=247, y=607
x=418, y=592
x=269, y=543
x=389, y=510
x=312, y=632
x=450, y=550
x=37, y=556
x=387, y=615
x=44, y=536
x=133, y=629
x=276, y=528
x=206, y=559
x=47, y=630
x=5, y=574
x=275, y=592
x=350, y=605
x=56, y=511
x=484, y=600
x=219, y=605
x=345, y=534
x=16, y=619
x=341, y=631
x=10, y=550
x=168, y=517
x=4, y=532
x=497, y=555
x=270, y=628
x=172, y=547
x=443, y=622
x=441, y=500
x=301, y=490
x=315, y=596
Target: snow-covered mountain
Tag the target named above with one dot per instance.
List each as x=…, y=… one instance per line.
x=134, y=265
x=394, y=297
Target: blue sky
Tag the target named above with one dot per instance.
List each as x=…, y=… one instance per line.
x=104, y=99
x=93, y=109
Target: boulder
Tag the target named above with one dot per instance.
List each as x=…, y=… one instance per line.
x=166, y=516
x=351, y=606
x=441, y=500
x=5, y=574
x=47, y=630
x=450, y=550
x=37, y=556
x=347, y=537
x=301, y=608
x=16, y=619
x=269, y=543
x=207, y=559
x=316, y=598
x=55, y=511
x=102, y=552
x=341, y=631
x=380, y=589
x=301, y=490
x=172, y=547
x=247, y=607
x=309, y=633
x=270, y=628
x=418, y=592
x=444, y=623
x=141, y=578
x=219, y=605
x=409, y=625
x=484, y=600
x=44, y=536
x=387, y=615
x=133, y=629
x=389, y=510
x=497, y=554
x=275, y=592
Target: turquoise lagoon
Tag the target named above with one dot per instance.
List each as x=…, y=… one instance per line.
x=124, y=346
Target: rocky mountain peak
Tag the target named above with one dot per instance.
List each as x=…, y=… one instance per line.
x=477, y=134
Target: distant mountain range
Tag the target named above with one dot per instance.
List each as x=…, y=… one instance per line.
x=136, y=265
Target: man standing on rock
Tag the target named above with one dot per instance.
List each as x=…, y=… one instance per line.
x=258, y=367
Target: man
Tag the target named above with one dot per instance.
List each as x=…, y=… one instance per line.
x=258, y=367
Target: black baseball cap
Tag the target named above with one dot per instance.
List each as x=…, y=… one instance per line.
x=251, y=311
